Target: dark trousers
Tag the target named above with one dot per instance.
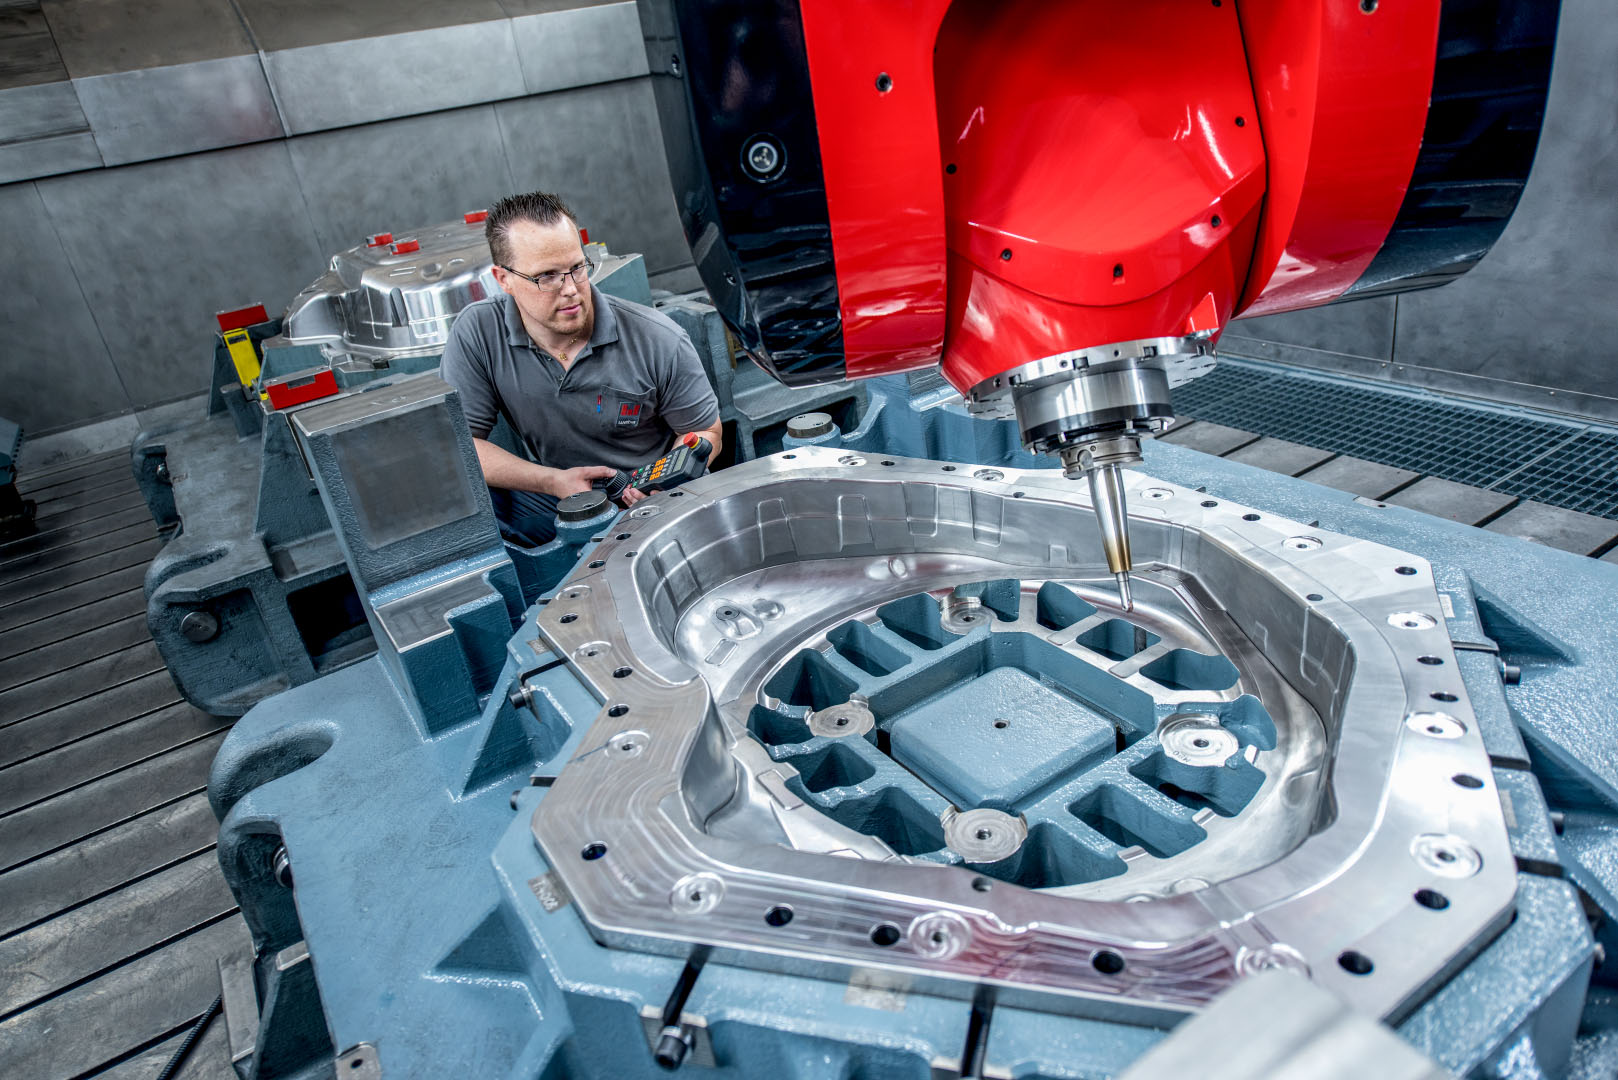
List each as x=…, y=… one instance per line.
x=526, y=518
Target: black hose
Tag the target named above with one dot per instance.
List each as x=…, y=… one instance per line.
x=191, y=1039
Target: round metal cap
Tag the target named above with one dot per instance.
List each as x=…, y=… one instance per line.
x=809, y=425
x=582, y=506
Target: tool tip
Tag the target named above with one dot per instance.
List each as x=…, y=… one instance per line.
x=1124, y=594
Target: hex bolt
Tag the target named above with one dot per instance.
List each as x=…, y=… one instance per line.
x=281, y=865
x=520, y=695
x=673, y=1044
x=677, y=1038
x=1510, y=674
x=199, y=626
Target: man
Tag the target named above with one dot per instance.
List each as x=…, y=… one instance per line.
x=589, y=382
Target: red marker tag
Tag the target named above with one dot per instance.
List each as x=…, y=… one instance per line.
x=474, y=216
x=251, y=315
x=405, y=247
x=379, y=239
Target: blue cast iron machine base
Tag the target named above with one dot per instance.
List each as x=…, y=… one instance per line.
x=376, y=821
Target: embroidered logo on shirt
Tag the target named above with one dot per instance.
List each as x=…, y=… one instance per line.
x=628, y=414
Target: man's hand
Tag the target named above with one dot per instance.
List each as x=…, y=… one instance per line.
x=567, y=482
x=631, y=496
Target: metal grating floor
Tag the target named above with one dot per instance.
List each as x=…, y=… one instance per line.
x=113, y=913
x=1559, y=462
x=1579, y=475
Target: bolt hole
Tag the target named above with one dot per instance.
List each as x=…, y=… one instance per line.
x=1002, y=723
x=1200, y=744
x=1432, y=899
x=1355, y=963
x=596, y=564
x=1117, y=271
x=1467, y=780
x=623, y=672
x=889, y=463
x=984, y=834
x=1368, y=7
x=1018, y=494
x=789, y=457
x=1444, y=855
x=676, y=494
x=779, y=915
x=618, y=710
x=622, y=536
x=1210, y=503
x=695, y=896
x=982, y=884
x=938, y=937
x=1005, y=254
x=1249, y=517
x=841, y=721
x=591, y=652
x=1215, y=221
x=1107, y=962
x=1434, y=729
x=884, y=83
x=592, y=852
x=949, y=468
x=885, y=935
x=1405, y=570
x=1314, y=597
x=569, y=617
x=629, y=554
x=1241, y=121
x=1443, y=695
x=1430, y=661
x=950, y=168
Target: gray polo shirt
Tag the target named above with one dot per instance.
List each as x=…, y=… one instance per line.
x=635, y=385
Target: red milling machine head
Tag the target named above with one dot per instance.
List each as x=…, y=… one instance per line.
x=1063, y=203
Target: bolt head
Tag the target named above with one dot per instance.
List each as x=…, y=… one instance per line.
x=199, y=626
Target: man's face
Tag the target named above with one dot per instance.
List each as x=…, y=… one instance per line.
x=540, y=249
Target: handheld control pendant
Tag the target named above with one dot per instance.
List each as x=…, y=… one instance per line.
x=685, y=462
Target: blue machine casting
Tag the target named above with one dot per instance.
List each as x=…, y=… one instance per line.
x=375, y=822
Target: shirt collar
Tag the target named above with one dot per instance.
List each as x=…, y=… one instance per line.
x=606, y=325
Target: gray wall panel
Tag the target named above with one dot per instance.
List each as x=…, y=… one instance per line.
x=399, y=174
x=44, y=157
x=579, y=46
x=1542, y=300
x=100, y=37
x=601, y=148
x=160, y=247
x=32, y=112
x=293, y=24
x=1548, y=292
x=161, y=111
x=367, y=79
x=1358, y=328
x=56, y=370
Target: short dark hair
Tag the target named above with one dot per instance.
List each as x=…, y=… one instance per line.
x=539, y=207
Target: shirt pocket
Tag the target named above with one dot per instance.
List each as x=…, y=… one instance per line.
x=625, y=410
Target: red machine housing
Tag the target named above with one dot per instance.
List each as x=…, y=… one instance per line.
x=1010, y=180
x=869, y=188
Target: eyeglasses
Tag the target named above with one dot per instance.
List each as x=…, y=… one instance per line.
x=551, y=280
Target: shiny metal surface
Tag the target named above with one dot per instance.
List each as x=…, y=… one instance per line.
x=671, y=785
x=377, y=304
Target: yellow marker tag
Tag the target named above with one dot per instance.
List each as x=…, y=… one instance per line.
x=243, y=355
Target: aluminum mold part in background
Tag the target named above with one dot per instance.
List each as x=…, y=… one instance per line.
x=670, y=797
